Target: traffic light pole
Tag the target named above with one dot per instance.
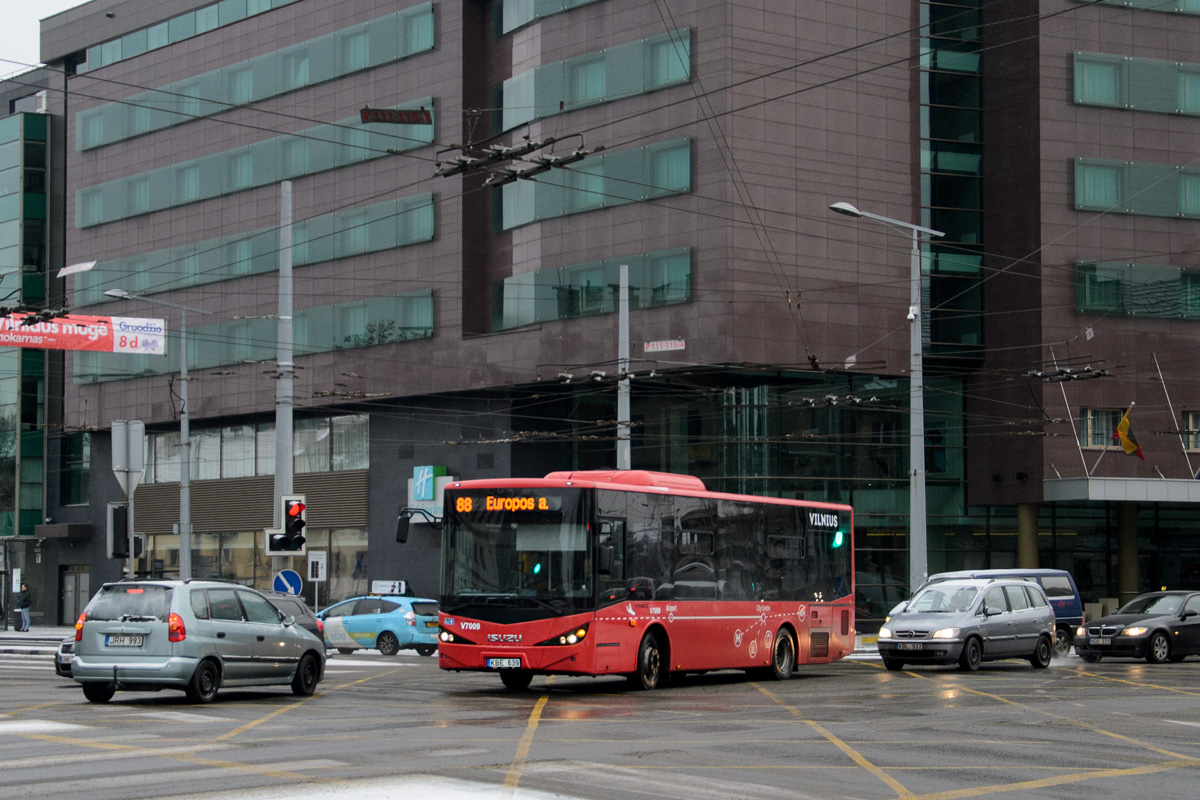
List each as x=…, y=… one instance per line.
x=285, y=371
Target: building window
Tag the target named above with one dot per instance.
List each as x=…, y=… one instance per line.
x=1098, y=82
x=139, y=196
x=1096, y=426
x=1189, y=294
x=241, y=171
x=241, y=86
x=356, y=51
x=76, y=458
x=1191, y=432
x=1189, y=194
x=1097, y=186
x=187, y=184
x=1189, y=92
x=585, y=81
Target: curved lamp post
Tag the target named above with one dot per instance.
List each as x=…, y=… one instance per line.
x=918, y=559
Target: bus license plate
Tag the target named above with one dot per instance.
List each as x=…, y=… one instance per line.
x=504, y=663
x=122, y=641
x=910, y=646
x=1100, y=640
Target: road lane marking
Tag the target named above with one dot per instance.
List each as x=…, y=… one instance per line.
x=518, y=763
x=855, y=756
x=1136, y=683
x=21, y=726
x=1062, y=780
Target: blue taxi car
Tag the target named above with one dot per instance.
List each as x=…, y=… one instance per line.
x=388, y=623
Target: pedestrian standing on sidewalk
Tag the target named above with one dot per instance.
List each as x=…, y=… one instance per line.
x=23, y=603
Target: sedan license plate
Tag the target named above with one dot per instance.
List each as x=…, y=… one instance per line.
x=910, y=646
x=504, y=663
x=431, y=623
x=1100, y=640
x=122, y=641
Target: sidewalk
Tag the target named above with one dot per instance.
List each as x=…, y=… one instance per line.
x=35, y=642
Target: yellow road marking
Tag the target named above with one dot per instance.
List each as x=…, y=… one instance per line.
x=518, y=763
x=1136, y=683
x=1043, y=783
x=855, y=756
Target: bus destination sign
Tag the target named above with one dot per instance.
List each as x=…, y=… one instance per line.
x=468, y=504
x=398, y=116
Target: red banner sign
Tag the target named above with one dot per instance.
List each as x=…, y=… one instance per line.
x=399, y=116
x=77, y=332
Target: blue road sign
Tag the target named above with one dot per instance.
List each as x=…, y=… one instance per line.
x=287, y=581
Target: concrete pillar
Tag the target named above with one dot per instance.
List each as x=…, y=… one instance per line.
x=1027, y=533
x=1127, y=551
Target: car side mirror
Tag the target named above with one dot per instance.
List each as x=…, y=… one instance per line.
x=289, y=621
x=1190, y=613
x=991, y=611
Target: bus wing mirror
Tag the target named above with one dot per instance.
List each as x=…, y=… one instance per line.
x=402, y=529
x=604, y=559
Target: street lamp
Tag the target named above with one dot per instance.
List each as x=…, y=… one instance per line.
x=185, y=446
x=918, y=558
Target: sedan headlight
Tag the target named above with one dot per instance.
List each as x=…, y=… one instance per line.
x=946, y=633
x=885, y=632
x=1134, y=631
x=1081, y=631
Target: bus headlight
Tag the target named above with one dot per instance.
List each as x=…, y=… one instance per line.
x=573, y=636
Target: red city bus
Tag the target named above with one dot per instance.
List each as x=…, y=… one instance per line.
x=640, y=574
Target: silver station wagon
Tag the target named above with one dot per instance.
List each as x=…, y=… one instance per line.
x=198, y=636
x=969, y=621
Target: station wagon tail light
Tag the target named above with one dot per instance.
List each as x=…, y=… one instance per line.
x=1134, y=631
x=79, y=626
x=175, y=630
x=410, y=618
x=945, y=633
x=320, y=626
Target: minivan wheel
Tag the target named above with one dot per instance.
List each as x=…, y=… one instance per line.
x=305, y=682
x=206, y=680
x=972, y=655
x=99, y=692
x=426, y=649
x=387, y=643
x=1042, y=653
x=1062, y=642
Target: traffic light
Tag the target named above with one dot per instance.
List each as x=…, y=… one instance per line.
x=289, y=539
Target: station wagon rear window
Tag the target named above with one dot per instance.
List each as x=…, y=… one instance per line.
x=130, y=602
x=425, y=609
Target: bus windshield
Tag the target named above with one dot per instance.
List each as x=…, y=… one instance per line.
x=511, y=555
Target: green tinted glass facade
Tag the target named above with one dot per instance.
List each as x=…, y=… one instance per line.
x=600, y=77
x=1127, y=187
x=351, y=232
x=324, y=58
x=1165, y=6
x=513, y=14
x=359, y=323
x=1138, y=84
x=600, y=181
x=655, y=279
x=1138, y=290
x=23, y=240
x=176, y=29
x=313, y=150
x=951, y=182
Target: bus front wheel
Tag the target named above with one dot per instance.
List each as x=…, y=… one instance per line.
x=517, y=680
x=650, y=666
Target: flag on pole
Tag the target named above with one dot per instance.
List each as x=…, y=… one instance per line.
x=1129, y=442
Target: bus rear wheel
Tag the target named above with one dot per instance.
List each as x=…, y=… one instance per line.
x=650, y=666
x=783, y=655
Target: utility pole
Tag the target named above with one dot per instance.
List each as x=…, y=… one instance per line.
x=624, y=459
x=285, y=368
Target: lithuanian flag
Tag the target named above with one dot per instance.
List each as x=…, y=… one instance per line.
x=1129, y=442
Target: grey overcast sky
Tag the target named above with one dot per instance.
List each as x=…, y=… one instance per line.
x=20, y=29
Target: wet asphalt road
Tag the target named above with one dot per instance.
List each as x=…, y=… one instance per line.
x=399, y=727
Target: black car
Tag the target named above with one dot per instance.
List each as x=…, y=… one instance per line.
x=62, y=658
x=291, y=605
x=1159, y=626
